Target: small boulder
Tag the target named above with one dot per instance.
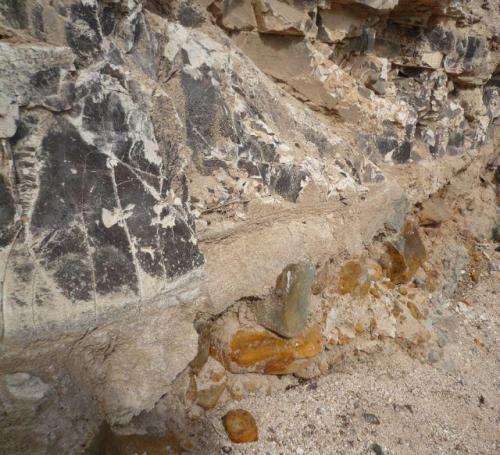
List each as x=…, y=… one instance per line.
x=240, y=426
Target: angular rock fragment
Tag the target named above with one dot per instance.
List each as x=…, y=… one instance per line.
x=415, y=310
x=282, y=17
x=408, y=328
x=470, y=62
x=295, y=61
x=339, y=22
x=235, y=15
x=286, y=311
x=406, y=254
x=357, y=276
x=37, y=76
x=208, y=398
x=210, y=384
x=432, y=59
x=324, y=278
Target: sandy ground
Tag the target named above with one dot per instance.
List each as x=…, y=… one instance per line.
x=390, y=403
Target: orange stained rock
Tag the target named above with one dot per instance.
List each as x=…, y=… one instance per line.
x=250, y=347
x=350, y=273
x=357, y=275
x=240, y=426
x=407, y=254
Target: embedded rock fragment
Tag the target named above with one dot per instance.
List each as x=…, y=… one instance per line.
x=324, y=278
x=470, y=62
x=408, y=328
x=241, y=386
x=252, y=349
x=24, y=386
x=37, y=76
x=210, y=383
x=286, y=311
x=406, y=254
x=357, y=276
x=9, y=115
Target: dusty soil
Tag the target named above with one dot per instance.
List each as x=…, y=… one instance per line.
x=392, y=403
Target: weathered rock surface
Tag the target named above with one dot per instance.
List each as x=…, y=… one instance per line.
x=268, y=183
x=23, y=386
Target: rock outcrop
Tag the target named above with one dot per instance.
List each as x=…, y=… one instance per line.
x=263, y=184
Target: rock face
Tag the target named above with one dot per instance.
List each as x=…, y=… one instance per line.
x=170, y=166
